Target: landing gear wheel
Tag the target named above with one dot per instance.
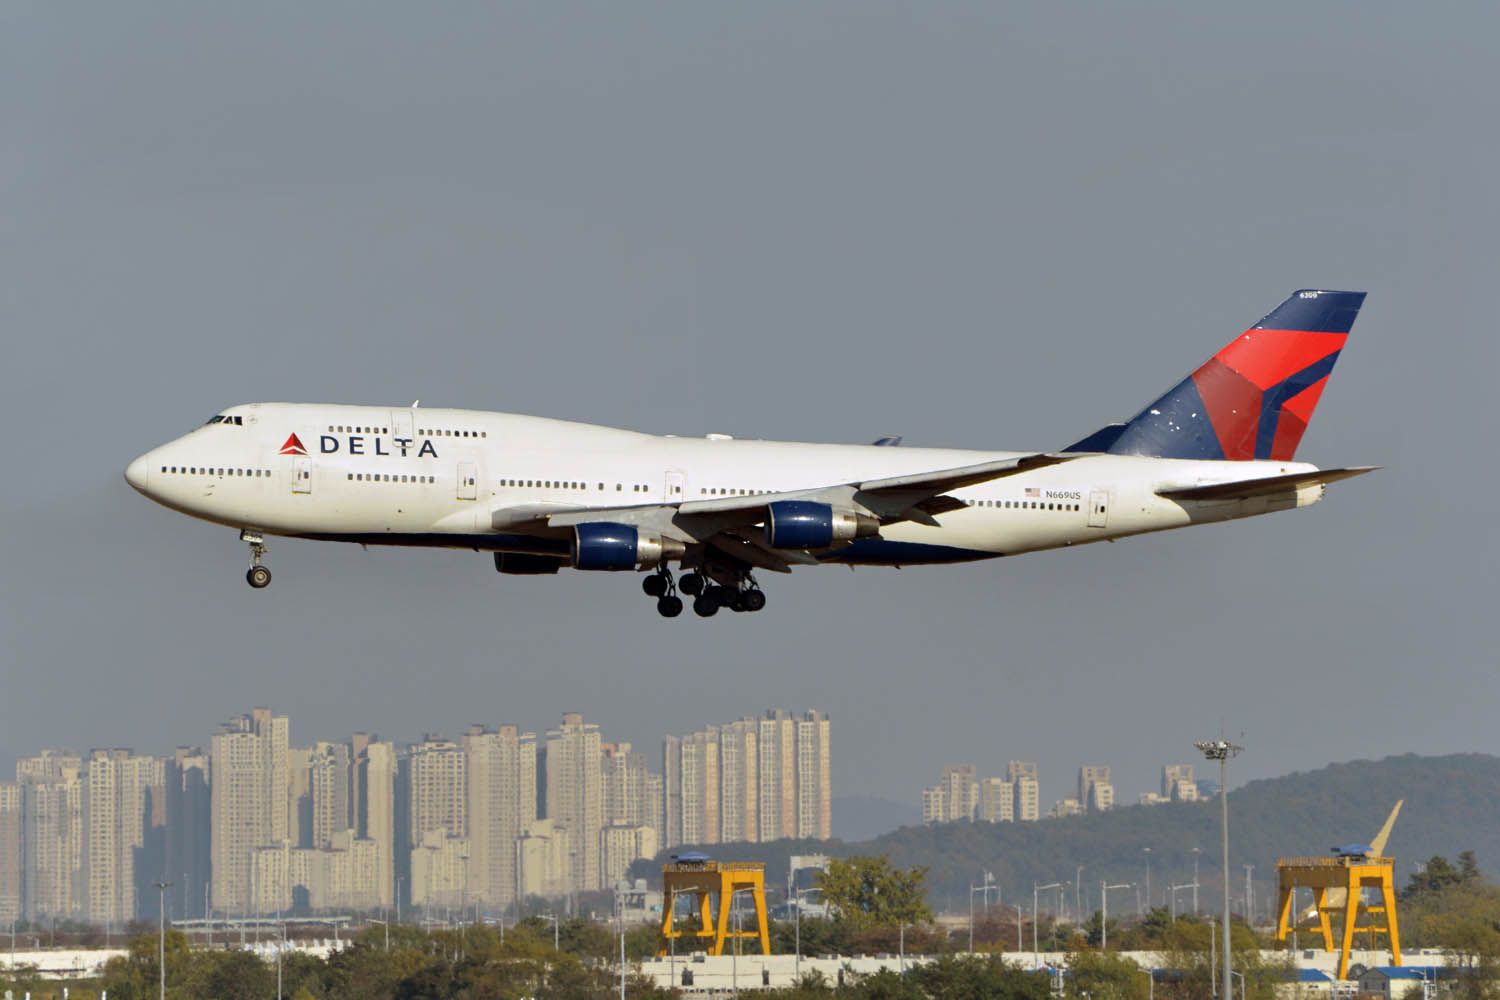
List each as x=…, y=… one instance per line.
x=737, y=602
x=669, y=606
x=654, y=585
x=258, y=577
x=705, y=606
x=754, y=600
x=691, y=584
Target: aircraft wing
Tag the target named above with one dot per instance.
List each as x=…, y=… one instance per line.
x=722, y=521
x=1244, y=489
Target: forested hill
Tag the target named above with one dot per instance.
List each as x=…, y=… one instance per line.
x=1452, y=805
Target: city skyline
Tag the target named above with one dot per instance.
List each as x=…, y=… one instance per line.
x=263, y=823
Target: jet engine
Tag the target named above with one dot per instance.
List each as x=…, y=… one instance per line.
x=806, y=524
x=609, y=546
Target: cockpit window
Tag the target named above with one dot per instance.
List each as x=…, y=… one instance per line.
x=223, y=418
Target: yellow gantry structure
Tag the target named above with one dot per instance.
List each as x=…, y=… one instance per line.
x=713, y=886
x=1339, y=883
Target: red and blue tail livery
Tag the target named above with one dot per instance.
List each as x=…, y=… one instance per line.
x=1252, y=400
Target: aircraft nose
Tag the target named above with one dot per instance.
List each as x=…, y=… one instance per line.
x=137, y=473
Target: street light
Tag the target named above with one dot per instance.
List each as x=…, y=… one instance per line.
x=161, y=936
x=1174, y=890
x=1148, y=878
x=1104, y=888
x=1221, y=750
x=984, y=887
x=1035, y=891
x=1020, y=922
x=553, y=918
x=1242, y=985
x=1150, y=978
x=1196, y=852
x=1078, y=891
x=1249, y=896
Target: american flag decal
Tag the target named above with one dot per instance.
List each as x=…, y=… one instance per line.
x=1033, y=492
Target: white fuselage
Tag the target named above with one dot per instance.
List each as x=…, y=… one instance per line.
x=420, y=476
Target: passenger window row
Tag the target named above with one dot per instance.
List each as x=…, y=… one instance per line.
x=566, y=484
x=724, y=491
x=439, y=432
x=345, y=429
x=193, y=470
x=1022, y=505
x=382, y=477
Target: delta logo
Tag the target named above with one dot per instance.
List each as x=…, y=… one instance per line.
x=359, y=444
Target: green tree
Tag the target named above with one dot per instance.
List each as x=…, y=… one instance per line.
x=1105, y=975
x=979, y=977
x=869, y=891
x=230, y=975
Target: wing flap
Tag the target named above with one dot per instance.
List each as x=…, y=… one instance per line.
x=1244, y=489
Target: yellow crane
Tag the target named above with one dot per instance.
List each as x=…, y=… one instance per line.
x=1338, y=883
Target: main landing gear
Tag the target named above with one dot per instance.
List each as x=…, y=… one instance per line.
x=257, y=576
x=660, y=586
x=744, y=594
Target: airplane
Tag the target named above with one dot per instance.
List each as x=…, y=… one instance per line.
x=543, y=495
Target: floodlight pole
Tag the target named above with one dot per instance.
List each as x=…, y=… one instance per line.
x=1221, y=751
x=161, y=936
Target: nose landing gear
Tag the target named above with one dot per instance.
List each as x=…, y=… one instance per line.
x=257, y=576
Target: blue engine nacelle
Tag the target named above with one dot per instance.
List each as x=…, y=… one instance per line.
x=807, y=524
x=608, y=546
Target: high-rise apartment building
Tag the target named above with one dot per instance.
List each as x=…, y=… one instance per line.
x=10, y=852
x=328, y=790
x=249, y=792
x=1178, y=783
x=188, y=836
x=752, y=780
x=51, y=834
x=299, y=796
x=814, y=777
x=575, y=794
x=621, y=845
x=776, y=745
x=501, y=802
x=544, y=857
x=119, y=792
x=691, y=766
x=997, y=801
x=739, y=782
x=372, y=790
x=1022, y=774
x=1096, y=793
x=439, y=788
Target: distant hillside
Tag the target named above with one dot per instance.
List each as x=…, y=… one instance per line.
x=860, y=818
x=1452, y=804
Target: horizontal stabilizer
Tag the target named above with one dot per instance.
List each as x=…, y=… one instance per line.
x=1244, y=489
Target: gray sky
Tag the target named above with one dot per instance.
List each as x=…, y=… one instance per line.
x=989, y=226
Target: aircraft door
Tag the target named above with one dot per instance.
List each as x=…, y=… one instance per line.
x=468, y=481
x=401, y=425
x=676, y=486
x=1098, y=508
x=302, y=475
